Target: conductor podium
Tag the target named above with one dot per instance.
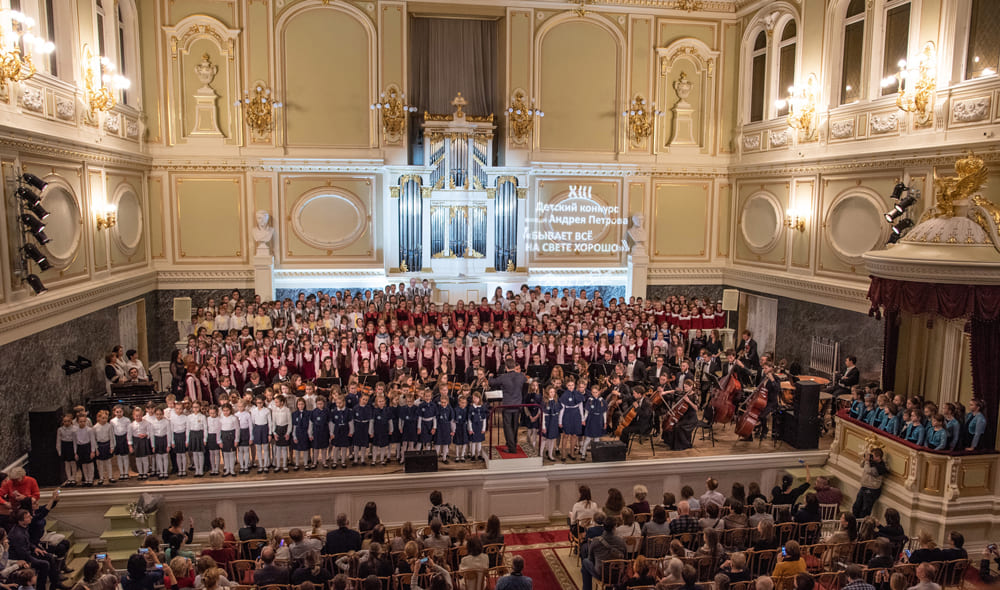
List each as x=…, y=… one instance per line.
x=799, y=424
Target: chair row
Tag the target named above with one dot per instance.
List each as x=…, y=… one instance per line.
x=462, y=580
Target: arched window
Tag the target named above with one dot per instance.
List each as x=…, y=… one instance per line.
x=786, y=64
x=854, y=42
x=122, y=61
x=115, y=34
x=758, y=78
x=983, y=55
x=897, y=43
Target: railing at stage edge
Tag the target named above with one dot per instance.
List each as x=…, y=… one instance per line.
x=496, y=420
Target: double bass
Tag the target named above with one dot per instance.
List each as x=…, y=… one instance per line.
x=723, y=398
x=751, y=417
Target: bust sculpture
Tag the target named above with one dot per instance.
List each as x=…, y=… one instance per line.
x=637, y=233
x=263, y=232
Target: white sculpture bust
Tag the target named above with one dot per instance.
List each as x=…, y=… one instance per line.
x=262, y=232
x=638, y=235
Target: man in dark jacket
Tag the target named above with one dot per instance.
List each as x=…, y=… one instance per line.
x=45, y=564
x=511, y=384
x=268, y=573
x=343, y=539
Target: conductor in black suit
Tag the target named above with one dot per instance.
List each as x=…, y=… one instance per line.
x=511, y=384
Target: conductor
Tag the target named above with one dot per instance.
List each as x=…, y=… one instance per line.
x=511, y=384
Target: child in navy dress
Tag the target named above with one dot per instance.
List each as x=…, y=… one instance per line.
x=444, y=428
x=361, y=436
x=396, y=435
x=381, y=430
x=197, y=437
x=300, y=435
x=142, y=448
x=570, y=421
x=85, y=448
x=229, y=426
x=461, y=438
x=427, y=413
x=478, y=417
x=213, y=444
x=342, y=430
x=123, y=440
x=409, y=420
x=104, y=435
x=551, y=409
x=595, y=411
x=243, y=442
x=319, y=434
x=65, y=436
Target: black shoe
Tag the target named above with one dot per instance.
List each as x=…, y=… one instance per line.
x=446, y=460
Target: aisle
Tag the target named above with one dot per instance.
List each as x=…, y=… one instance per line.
x=547, y=559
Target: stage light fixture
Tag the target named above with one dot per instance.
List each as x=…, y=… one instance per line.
x=893, y=238
x=36, y=227
x=892, y=215
x=36, y=284
x=905, y=203
x=34, y=181
x=28, y=196
x=83, y=362
x=898, y=190
x=901, y=226
x=38, y=210
x=69, y=367
x=32, y=252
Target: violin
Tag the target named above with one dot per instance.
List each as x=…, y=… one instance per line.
x=751, y=417
x=723, y=398
x=675, y=413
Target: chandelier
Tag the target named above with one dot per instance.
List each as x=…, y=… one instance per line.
x=801, y=104
x=915, y=86
x=394, y=112
x=521, y=115
x=100, y=81
x=258, y=109
x=17, y=43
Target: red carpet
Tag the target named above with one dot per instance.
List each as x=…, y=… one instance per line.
x=502, y=451
x=541, y=563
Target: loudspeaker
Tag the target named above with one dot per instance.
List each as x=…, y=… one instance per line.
x=730, y=299
x=799, y=426
x=420, y=461
x=604, y=451
x=182, y=309
x=43, y=459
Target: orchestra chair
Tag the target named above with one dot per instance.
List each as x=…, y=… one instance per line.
x=470, y=579
x=613, y=571
x=495, y=553
x=238, y=569
x=648, y=435
x=707, y=430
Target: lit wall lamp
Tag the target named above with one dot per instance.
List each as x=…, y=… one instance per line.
x=801, y=104
x=101, y=83
x=796, y=219
x=639, y=118
x=258, y=109
x=15, y=37
x=915, y=86
x=107, y=217
x=521, y=114
x=394, y=112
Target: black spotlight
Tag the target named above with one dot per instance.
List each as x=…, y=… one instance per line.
x=901, y=226
x=69, y=367
x=892, y=215
x=35, y=254
x=906, y=202
x=898, y=190
x=36, y=227
x=34, y=181
x=28, y=196
x=83, y=362
x=38, y=210
x=36, y=284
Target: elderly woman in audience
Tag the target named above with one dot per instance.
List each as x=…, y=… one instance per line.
x=641, y=505
x=183, y=571
x=736, y=568
x=711, y=519
x=217, y=549
x=628, y=527
x=220, y=523
x=790, y=564
x=658, y=524
x=672, y=567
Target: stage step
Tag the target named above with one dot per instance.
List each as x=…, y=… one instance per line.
x=121, y=540
x=119, y=559
x=76, y=565
x=77, y=549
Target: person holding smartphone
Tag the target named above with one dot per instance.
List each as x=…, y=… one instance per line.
x=789, y=566
x=985, y=573
x=440, y=578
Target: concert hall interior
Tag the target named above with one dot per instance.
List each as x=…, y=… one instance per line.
x=654, y=242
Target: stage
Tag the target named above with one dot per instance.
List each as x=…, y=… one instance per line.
x=529, y=496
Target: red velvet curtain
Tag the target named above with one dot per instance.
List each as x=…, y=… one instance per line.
x=979, y=303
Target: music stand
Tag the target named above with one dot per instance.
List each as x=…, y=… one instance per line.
x=327, y=383
x=598, y=369
x=368, y=380
x=569, y=369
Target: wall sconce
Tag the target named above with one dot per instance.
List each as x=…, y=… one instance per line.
x=107, y=217
x=801, y=104
x=522, y=115
x=101, y=82
x=394, y=113
x=915, y=86
x=258, y=109
x=796, y=219
x=15, y=36
x=639, y=119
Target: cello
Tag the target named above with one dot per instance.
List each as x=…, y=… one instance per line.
x=723, y=398
x=675, y=413
x=751, y=417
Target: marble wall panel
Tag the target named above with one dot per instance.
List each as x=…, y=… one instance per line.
x=713, y=292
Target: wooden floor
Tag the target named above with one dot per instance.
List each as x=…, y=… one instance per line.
x=726, y=444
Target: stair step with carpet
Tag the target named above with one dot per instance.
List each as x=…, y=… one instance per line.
x=119, y=517
x=121, y=540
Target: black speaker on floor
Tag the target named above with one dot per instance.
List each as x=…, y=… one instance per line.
x=420, y=461
x=43, y=460
x=799, y=426
x=604, y=451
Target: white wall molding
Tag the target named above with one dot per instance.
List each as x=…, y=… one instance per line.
x=204, y=279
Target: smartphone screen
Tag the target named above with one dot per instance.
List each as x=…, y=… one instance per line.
x=282, y=544
x=143, y=549
x=907, y=552
x=423, y=560
x=783, y=552
x=159, y=566
x=101, y=556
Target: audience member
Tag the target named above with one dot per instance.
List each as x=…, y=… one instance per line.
x=342, y=539
x=443, y=511
x=267, y=572
x=515, y=580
